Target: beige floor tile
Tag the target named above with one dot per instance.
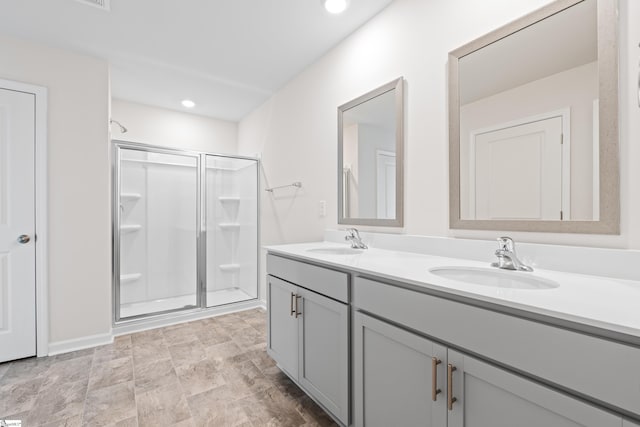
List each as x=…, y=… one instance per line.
x=75, y=421
x=211, y=372
x=231, y=325
x=155, y=375
x=165, y=406
x=4, y=367
x=121, y=347
x=111, y=372
x=258, y=355
x=200, y=376
x=211, y=336
x=59, y=402
x=73, y=355
x=19, y=396
x=248, y=337
x=245, y=378
x=150, y=352
x=180, y=334
x=225, y=353
x=129, y=422
x=109, y=405
x=314, y=414
x=187, y=353
x=146, y=337
x=217, y=407
x=26, y=369
x=67, y=371
x=271, y=408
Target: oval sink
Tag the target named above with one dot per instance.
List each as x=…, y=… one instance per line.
x=494, y=278
x=336, y=251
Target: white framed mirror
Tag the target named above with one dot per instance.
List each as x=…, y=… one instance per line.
x=533, y=123
x=371, y=158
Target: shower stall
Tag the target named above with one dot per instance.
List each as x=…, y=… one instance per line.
x=185, y=230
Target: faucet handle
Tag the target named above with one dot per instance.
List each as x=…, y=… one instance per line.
x=506, y=244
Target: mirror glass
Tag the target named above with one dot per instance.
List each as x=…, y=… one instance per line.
x=530, y=119
x=370, y=158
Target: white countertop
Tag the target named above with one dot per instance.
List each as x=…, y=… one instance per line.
x=600, y=302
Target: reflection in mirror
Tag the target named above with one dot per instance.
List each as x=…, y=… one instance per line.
x=529, y=124
x=370, y=158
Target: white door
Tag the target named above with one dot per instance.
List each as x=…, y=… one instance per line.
x=517, y=172
x=17, y=225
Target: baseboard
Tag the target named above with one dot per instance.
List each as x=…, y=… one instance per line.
x=67, y=346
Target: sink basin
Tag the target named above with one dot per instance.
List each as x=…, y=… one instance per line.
x=494, y=277
x=336, y=251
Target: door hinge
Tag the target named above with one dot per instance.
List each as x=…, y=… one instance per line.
x=561, y=215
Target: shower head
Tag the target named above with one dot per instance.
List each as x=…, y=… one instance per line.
x=122, y=128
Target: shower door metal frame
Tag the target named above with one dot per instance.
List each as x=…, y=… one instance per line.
x=201, y=227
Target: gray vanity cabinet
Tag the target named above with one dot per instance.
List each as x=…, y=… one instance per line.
x=308, y=333
x=394, y=376
x=489, y=396
x=282, y=339
x=323, y=352
x=398, y=372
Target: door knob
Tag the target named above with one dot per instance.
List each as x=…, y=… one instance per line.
x=23, y=238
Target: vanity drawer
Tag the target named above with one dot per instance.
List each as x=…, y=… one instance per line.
x=604, y=370
x=334, y=284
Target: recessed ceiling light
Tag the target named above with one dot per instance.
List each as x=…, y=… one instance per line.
x=188, y=103
x=335, y=6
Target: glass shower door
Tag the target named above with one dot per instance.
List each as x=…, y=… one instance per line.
x=231, y=230
x=158, y=230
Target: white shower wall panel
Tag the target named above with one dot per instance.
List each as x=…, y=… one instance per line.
x=247, y=254
x=133, y=245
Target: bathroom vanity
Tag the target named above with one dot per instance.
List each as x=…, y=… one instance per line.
x=378, y=339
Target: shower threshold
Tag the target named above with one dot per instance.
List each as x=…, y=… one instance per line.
x=214, y=299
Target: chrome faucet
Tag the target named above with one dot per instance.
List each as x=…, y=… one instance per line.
x=507, y=258
x=353, y=236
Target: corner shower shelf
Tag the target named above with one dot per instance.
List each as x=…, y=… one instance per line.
x=229, y=225
x=229, y=199
x=230, y=268
x=130, y=228
x=128, y=278
x=130, y=196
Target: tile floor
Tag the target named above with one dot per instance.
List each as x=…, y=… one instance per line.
x=211, y=372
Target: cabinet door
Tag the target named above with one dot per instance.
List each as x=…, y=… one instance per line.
x=489, y=396
x=626, y=423
x=282, y=326
x=393, y=376
x=324, y=351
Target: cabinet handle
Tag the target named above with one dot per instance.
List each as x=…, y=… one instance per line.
x=450, y=398
x=293, y=296
x=434, y=378
x=298, y=313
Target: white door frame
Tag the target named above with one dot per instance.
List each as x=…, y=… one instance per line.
x=41, y=238
x=565, y=114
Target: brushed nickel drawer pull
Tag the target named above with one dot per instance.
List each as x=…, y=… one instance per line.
x=434, y=378
x=291, y=304
x=450, y=398
x=298, y=313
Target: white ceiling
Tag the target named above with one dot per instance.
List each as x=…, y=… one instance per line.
x=227, y=56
